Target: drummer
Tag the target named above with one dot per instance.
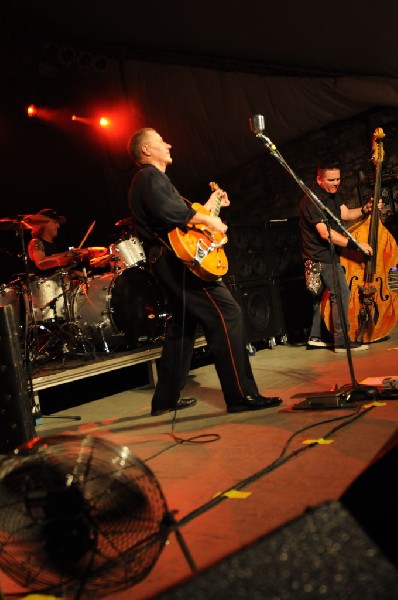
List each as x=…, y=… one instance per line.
x=45, y=258
x=43, y=253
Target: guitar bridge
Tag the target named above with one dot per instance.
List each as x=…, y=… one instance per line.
x=203, y=249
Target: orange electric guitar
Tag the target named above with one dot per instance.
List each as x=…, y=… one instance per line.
x=201, y=248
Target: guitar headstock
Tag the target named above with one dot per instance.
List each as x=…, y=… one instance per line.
x=214, y=186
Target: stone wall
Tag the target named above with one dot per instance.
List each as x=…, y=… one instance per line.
x=264, y=189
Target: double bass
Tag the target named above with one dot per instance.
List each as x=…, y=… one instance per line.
x=373, y=306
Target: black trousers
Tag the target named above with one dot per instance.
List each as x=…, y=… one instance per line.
x=193, y=301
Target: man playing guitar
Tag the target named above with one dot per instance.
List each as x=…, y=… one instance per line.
x=158, y=209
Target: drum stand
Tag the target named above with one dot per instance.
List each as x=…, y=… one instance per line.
x=71, y=335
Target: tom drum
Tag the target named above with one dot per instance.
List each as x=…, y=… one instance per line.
x=127, y=253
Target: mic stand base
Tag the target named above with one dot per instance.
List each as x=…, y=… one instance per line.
x=347, y=396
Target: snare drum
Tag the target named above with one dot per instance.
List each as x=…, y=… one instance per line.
x=124, y=309
x=127, y=253
x=48, y=299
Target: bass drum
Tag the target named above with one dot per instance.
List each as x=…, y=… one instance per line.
x=125, y=310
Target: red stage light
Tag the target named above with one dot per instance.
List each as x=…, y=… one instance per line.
x=31, y=110
x=104, y=122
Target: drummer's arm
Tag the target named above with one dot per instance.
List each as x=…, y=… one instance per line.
x=38, y=256
x=36, y=253
x=48, y=262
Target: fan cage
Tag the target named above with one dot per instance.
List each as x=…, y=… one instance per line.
x=79, y=512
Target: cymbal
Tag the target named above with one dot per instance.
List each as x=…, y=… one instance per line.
x=24, y=221
x=10, y=225
x=75, y=255
x=64, y=259
x=34, y=220
x=128, y=222
x=92, y=251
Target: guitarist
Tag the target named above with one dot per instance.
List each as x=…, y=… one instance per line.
x=157, y=208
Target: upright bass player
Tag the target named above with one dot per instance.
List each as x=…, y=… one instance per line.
x=319, y=253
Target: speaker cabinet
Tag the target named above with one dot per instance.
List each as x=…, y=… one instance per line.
x=322, y=554
x=297, y=309
x=261, y=306
x=246, y=252
x=16, y=423
x=283, y=248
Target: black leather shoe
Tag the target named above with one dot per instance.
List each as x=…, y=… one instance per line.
x=181, y=403
x=254, y=402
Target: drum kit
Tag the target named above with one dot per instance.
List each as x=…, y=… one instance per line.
x=116, y=306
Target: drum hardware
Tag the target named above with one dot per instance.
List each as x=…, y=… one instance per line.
x=58, y=336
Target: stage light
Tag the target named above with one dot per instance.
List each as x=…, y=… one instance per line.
x=31, y=110
x=104, y=122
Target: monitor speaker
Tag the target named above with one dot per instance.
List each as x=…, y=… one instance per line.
x=322, y=554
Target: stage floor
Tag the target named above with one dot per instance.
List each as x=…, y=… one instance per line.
x=206, y=451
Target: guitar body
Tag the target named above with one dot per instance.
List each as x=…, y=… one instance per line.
x=200, y=249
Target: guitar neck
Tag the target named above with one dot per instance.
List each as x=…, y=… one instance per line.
x=215, y=211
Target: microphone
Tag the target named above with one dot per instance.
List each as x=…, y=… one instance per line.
x=257, y=124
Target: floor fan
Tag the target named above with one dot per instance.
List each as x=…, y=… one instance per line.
x=79, y=515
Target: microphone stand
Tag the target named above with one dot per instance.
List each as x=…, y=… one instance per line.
x=348, y=394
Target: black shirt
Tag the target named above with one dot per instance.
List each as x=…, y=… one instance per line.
x=156, y=206
x=49, y=249
x=313, y=247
